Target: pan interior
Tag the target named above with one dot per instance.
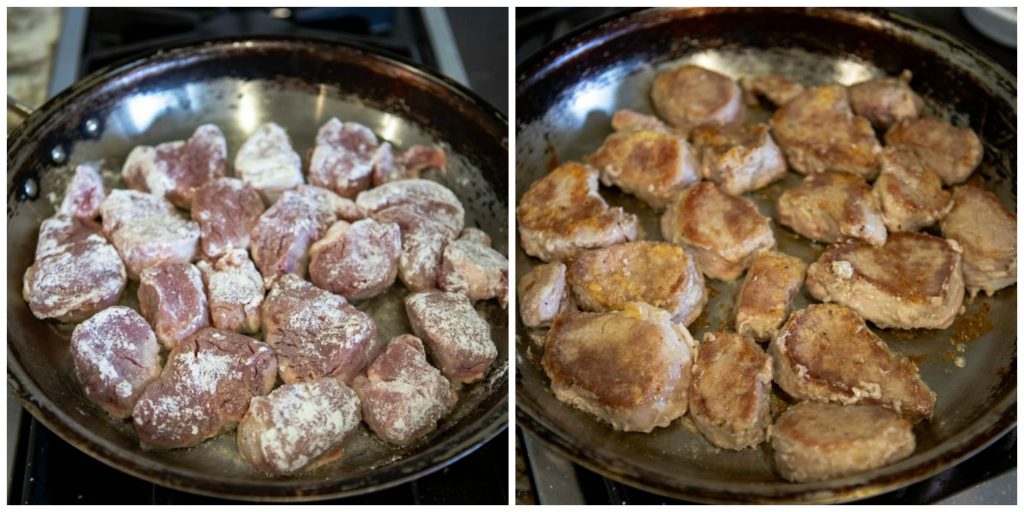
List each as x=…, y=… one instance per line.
x=971, y=365
x=238, y=106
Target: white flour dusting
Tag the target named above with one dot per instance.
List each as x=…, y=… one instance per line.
x=304, y=422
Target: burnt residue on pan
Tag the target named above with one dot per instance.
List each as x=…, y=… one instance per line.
x=239, y=84
x=566, y=94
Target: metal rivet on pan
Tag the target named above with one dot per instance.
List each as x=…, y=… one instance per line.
x=92, y=126
x=57, y=155
x=30, y=188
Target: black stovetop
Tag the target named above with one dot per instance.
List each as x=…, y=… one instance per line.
x=536, y=27
x=48, y=470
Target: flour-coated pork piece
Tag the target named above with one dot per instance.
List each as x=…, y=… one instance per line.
x=234, y=289
x=474, y=269
x=722, y=232
x=226, y=210
x=775, y=89
x=763, y=300
x=76, y=272
x=689, y=96
x=267, y=162
x=475, y=235
x=832, y=206
x=985, y=230
x=818, y=132
x=298, y=426
x=406, y=165
x=914, y=281
x=562, y=214
x=343, y=158
x=827, y=353
x=631, y=368
x=282, y=235
x=204, y=389
x=952, y=153
x=816, y=441
x=661, y=274
x=315, y=333
x=419, y=263
x=428, y=214
x=411, y=202
x=147, y=230
x=909, y=195
x=403, y=397
x=544, y=294
x=652, y=165
x=173, y=299
x=124, y=206
x=84, y=193
x=732, y=382
x=458, y=339
x=884, y=101
x=115, y=355
x=356, y=261
x=176, y=169
x=739, y=159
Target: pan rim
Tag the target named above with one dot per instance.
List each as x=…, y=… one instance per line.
x=986, y=429
x=488, y=424
x=538, y=64
x=171, y=54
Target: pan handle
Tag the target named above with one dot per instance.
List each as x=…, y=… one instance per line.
x=18, y=107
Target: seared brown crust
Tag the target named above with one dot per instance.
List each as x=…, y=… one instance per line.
x=952, y=153
x=562, y=214
x=816, y=441
x=690, y=96
x=658, y=273
x=831, y=206
x=630, y=368
x=723, y=232
x=776, y=89
x=909, y=195
x=827, y=353
x=651, y=165
x=913, y=281
x=986, y=232
x=763, y=300
x=625, y=120
x=886, y=100
x=739, y=160
x=732, y=381
x=818, y=132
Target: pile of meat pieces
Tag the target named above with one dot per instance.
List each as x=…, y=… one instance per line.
x=608, y=310
x=232, y=266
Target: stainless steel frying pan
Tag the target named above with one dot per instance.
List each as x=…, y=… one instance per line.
x=239, y=84
x=565, y=96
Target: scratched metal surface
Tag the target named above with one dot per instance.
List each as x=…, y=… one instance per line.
x=238, y=106
x=975, y=401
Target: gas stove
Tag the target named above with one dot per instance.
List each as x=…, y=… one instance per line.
x=43, y=468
